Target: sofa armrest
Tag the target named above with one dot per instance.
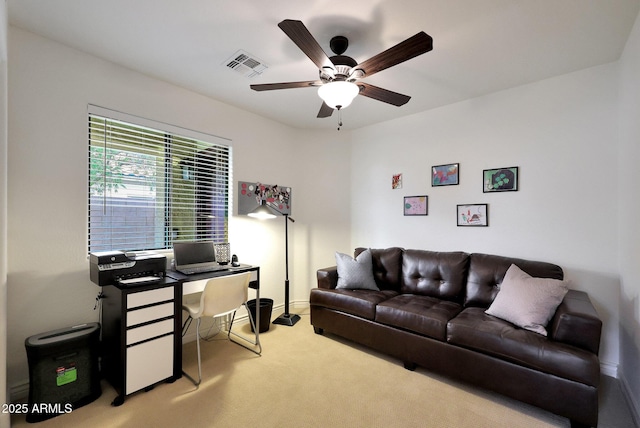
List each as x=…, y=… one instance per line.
x=576, y=322
x=328, y=277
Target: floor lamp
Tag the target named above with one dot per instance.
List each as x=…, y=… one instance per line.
x=265, y=210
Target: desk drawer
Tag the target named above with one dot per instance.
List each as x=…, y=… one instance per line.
x=150, y=297
x=148, y=363
x=139, y=316
x=194, y=287
x=149, y=331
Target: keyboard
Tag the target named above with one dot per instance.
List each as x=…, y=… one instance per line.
x=201, y=269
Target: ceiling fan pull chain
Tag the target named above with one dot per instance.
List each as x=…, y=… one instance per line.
x=339, y=119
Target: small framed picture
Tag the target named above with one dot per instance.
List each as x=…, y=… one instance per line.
x=445, y=175
x=396, y=181
x=500, y=179
x=473, y=215
x=416, y=205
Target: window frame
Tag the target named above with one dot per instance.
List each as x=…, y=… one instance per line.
x=211, y=141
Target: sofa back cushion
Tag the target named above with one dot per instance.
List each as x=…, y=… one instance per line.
x=486, y=273
x=435, y=274
x=387, y=265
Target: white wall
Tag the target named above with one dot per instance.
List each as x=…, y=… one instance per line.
x=4, y=418
x=628, y=179
x=323, y=208
x=562, y=134
x=50, y=86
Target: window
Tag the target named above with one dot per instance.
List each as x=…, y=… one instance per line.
x=149, y=187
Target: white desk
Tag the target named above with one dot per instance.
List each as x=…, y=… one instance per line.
x=194, y=286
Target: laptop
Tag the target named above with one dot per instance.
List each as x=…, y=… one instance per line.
x=195, y=257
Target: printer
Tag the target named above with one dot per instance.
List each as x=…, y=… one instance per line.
x=126, y=268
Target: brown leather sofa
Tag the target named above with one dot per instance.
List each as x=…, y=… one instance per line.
x=430, y=311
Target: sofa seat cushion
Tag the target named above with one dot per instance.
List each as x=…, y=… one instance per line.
x=355, y=302
x=424, y=315
x=478, y=331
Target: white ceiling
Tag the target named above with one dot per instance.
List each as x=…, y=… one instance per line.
x=480, y=46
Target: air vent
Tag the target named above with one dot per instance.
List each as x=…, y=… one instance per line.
x=246, y=64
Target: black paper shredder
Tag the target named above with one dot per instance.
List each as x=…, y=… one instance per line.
x=64, y=370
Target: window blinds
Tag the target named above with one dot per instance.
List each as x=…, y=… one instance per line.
x=149, y=187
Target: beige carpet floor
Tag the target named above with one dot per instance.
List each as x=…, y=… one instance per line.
x=303, y=380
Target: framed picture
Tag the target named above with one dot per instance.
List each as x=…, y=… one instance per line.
x=416, y=205
x=473, y=215
x=500, y=180
x=396, y=181
x=251, y=195
x=445, y=175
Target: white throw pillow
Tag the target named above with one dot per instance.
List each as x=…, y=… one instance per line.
x=355, y=273
x=526, y=301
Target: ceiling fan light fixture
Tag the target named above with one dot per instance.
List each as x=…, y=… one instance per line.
x=338, y=94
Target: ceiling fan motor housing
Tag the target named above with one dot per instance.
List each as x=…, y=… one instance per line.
x=343, y=64
x=339, y=44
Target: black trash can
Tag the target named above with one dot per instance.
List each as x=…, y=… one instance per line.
x=266, y=306
x=63, y=370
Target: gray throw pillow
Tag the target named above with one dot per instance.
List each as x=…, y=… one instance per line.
x=355, y=273
x=526, y=301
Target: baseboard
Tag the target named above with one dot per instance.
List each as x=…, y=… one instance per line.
x=633, y=404
x=609, y=369
x=19, y=393
x=244, y=319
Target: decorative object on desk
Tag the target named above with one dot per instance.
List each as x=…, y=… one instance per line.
x=500, y=179
x=222, y=253
x=264, y=211
x=445, y=175
x=234, y=261
x=396, y=181
x=416, y=205
x=473, y=215
x=251, y=195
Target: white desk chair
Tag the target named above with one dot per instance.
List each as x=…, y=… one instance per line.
x=221, y=297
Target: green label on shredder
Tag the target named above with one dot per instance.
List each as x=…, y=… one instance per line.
x=66, y=375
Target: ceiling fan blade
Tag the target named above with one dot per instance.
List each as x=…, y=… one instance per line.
x=383, y=95
x=403, y=51
x=299, y=34
x=325, y=111
x=285, y=85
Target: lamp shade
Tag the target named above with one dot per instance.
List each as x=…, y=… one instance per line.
x=338, y=94
x=262, y=212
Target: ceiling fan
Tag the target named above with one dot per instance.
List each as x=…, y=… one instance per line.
x=340, y=75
